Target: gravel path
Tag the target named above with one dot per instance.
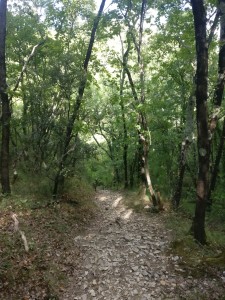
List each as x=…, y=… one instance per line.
x=123, y=257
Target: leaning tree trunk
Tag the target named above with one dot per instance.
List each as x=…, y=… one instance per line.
x=76, y=108
x=6, y=113
x=143, y=145
x=202, y=119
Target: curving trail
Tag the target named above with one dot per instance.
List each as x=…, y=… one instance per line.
x=123, y=256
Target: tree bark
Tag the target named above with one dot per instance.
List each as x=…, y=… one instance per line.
x=219, y=89
x=182, y=167
x=215, y=170
x=125, y=135
x=199, y=14
x=142, y=120
x=217, y=100
x=144, y=132
x=184, y=149
x=125, y=144
x=76, y=107
x=6, y=113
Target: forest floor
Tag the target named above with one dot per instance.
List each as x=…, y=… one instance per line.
x=107, y=252
x=127, y=255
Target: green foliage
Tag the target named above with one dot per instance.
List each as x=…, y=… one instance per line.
x=44, y=102
x=214, y=221
x=195, y=258
x=107, y=124
x=99, y=171
x=79, y=189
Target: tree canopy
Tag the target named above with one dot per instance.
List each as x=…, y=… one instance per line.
x=125, y=94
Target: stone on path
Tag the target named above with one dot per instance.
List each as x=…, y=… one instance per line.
x=123, y=257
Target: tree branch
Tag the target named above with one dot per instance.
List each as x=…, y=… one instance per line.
x=16, y=228
x=25, y=66
x=213, y=27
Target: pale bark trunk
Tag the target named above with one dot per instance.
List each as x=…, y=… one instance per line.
x=143, y=133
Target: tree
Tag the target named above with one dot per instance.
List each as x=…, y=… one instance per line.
x=142, y=123
x=199, y=14
x=59, y=178
x=217, y=101
x=5, y=103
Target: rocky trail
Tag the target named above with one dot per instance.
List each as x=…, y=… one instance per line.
x=124, y=255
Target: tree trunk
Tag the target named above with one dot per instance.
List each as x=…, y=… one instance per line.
x=215, y=170
x=142, y=120
x=125, y=149
x=125, y=136
x=219, y=89
x=182, y=167
x=76, y=107
x=6, y=114
x=217, y=100
x=184, y=149
x=202, y=119
x=143, y=132
x=148, y=181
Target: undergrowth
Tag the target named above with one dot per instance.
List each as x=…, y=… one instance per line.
x=50, y=232
x=196, y=258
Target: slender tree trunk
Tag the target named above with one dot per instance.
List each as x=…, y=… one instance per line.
x=219, y=89
x=202, y=119
x=125, y=148
x=76, y=107
x=132, y=169
x=125, y=135
x=217, y=100
x=182, y=167
x=6, y=113
x=143, y=132
x=143, y=145
x=215, y=170
x=184, y=149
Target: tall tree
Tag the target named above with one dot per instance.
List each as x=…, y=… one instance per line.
x=125, y=133
x=199, y=14
x=217, y=101
x=5, y=103
x=144, y=132
x=59, y=178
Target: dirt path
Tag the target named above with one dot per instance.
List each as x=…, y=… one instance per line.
x=123, y=256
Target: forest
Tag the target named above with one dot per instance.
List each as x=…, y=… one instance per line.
x=101, y=99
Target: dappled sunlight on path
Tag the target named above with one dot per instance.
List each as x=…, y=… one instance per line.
x=123, y=257
x=117, y=201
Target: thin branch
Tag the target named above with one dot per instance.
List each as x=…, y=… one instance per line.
x=143, y=10
x=213, y=27
x=131, y=84
x=100, y=146
x=25, y=66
